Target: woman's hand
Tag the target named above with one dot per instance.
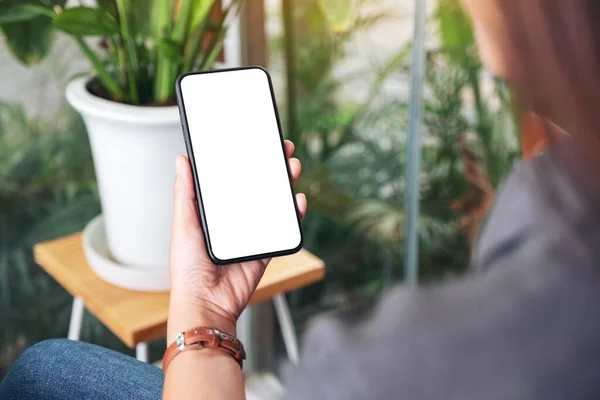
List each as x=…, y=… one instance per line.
x=202, y=293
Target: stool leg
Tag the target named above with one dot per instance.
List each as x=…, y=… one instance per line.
x=287, y=327
x=76, y=319
x=141, y=352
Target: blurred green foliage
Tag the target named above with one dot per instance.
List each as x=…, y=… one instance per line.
x=47, y=190
x=353, y=153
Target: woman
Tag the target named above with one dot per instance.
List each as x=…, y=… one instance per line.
x=524, y=325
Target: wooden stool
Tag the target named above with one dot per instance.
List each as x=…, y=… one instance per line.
x=138, y=317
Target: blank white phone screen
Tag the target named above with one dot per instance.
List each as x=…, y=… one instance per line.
x=244, y=185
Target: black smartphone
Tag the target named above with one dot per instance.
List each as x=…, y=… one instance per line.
x=243, y=185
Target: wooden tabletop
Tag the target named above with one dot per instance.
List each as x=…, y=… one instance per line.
x=137, y=317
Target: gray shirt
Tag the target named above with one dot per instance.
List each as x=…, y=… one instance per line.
x=524, y=324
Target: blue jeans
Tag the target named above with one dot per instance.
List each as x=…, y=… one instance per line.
x=64, y=369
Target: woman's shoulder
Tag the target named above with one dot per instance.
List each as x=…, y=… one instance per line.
x=536, y=207
x=507, y=330
x=506, y=333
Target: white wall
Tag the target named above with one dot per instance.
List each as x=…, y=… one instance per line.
x=40, y=87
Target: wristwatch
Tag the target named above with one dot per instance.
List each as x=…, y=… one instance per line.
x=201, y=338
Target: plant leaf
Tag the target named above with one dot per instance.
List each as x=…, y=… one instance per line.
x=338, y=13
x=455, y=31
x=173, y=51
x=199, y=12
x=105, y=78
x=10, y=12
x=85, y=21
x=180, y=28
x=126, y=30
x=140, y=14
x=161, y=17
x=110, y=6
x=29, y=40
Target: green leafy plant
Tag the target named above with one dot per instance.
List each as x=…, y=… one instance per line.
x=492, y=118
x=316, y=120
x=321, y=122
x=144, y=44
x=488, y=144
x=339, y=14
x=463, y=104
x=47, y=189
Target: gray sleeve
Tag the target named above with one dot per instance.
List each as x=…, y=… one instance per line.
x=523, y=325
x=510, y=224
x=507, y=334
x=337, y=355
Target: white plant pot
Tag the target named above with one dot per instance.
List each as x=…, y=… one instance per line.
x=134, y=150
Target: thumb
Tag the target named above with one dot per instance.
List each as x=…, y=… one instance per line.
x=185, y=215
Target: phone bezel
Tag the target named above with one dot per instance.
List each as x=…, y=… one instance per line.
x=197, y=189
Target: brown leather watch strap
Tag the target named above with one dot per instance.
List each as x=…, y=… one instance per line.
x=209, y=338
